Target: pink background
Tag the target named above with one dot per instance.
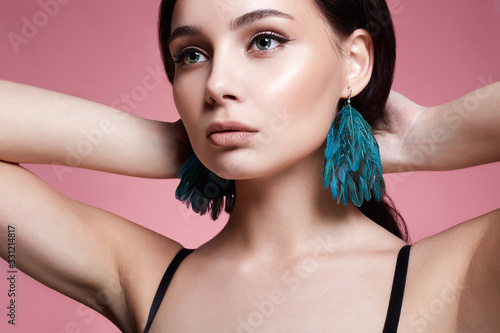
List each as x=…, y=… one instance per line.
x=99, y=50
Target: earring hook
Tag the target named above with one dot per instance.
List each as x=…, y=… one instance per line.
x=350, y=94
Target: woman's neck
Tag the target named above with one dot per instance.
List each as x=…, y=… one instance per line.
x=289, y=211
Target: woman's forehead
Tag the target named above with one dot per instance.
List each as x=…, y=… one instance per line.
x=199, y=12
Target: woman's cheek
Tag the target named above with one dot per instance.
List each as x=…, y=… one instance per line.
x=306, y=95
x=189, y=100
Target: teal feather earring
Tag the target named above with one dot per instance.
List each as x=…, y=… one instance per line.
x=352, y=166
x=203, y=190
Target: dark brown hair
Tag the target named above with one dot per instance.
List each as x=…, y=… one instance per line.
x=344, y=16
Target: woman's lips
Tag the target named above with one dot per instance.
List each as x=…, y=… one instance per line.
x=229, y=133
x=230, y=138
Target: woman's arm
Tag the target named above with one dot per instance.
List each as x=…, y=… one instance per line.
x=79, y=250
x=468, y=255
x=91, y=255
x=459, y=134
x=41, y=126
x=481, y=291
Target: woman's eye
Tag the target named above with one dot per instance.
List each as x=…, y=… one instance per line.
x=264, y=43
x=189, y=57
x=193, y=57
x=268, y=41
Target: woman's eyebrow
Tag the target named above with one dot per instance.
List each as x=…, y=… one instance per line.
x=238, y=23
x=256, y=15
x=185, y=30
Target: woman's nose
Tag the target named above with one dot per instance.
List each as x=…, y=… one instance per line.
x=224, y=80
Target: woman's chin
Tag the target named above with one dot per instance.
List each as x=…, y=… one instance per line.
x=233, y=164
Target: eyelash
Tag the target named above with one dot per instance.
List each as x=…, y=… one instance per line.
x=271, y=35
x=179, y=57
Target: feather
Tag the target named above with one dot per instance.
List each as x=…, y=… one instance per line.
x=352, y=163
x=202, y=190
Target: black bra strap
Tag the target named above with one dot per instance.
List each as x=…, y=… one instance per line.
x=165, y=281
x=398, y=289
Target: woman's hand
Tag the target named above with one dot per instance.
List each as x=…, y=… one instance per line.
x=180, y=143
x=462, y=133
x=392, y=132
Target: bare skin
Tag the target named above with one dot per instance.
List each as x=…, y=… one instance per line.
x=323, y=267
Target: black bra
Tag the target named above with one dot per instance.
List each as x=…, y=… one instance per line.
x=395, y=302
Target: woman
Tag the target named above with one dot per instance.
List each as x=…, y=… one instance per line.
x=215, y=80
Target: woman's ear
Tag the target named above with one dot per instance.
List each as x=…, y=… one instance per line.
x=359, y=53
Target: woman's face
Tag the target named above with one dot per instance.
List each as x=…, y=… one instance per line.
x=270, y=65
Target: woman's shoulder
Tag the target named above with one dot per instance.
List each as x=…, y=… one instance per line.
x=144, y=257
x=459, y=270
x=468, y=243
x=464, y=238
